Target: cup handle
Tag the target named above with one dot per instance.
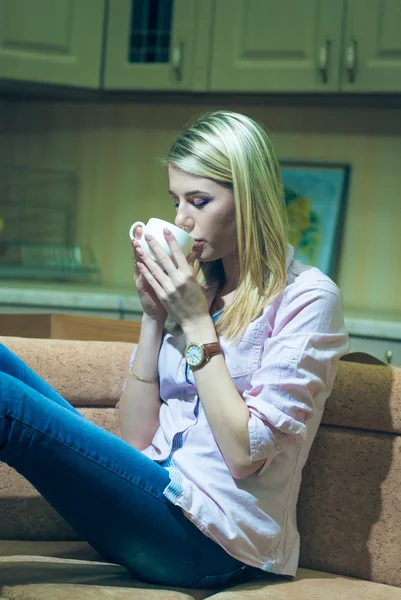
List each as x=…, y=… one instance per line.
x=134, y=227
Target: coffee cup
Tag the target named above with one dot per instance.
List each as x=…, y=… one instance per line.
x=155, y=228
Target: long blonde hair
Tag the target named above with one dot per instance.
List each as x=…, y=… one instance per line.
x=235, y=151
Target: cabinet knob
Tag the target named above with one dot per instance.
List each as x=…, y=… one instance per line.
x=176, y=60
x=350, y=60
x=323, y=60
x=388, y=357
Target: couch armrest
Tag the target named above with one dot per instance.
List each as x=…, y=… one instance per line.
x=85, y=373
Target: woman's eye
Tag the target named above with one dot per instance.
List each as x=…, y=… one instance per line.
x=197, y=202
x=200, y=202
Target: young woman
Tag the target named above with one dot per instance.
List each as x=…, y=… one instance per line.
x=237, y=355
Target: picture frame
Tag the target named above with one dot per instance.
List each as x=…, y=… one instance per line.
x=315, y=197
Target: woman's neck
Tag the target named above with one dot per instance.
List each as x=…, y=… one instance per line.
x=221, y=301
x=231, y=274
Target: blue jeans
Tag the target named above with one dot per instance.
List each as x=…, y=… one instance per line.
x=108, y=491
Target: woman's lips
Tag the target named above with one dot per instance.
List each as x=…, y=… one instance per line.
x=197, y=244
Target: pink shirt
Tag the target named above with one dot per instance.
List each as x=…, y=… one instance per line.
x=284, y=368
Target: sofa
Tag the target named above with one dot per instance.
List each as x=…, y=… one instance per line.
x=349, y=509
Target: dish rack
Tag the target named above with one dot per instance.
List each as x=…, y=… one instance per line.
x=38, y=214
x=54, y=262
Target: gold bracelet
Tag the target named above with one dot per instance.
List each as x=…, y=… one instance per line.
x=143, y=379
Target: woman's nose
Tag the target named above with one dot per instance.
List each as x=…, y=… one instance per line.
x=184, y=220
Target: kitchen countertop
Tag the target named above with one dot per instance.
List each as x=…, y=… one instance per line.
x=368, y=323
x=124, y=300
x=79, y=296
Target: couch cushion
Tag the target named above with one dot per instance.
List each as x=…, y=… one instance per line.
x=91, y=592
x=76, y=550
x=349, y=509
x=48, y=578
x=311, y=585
x=85, y=373
x=365, y=397
x=54, y=579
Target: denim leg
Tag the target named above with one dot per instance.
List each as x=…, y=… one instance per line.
x=107, y=490
x=11, y=363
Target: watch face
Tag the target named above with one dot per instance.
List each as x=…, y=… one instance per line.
x=194, y=355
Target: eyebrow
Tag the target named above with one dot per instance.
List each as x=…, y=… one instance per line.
x=189, y=194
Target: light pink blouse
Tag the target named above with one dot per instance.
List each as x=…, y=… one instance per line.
x=284, y=368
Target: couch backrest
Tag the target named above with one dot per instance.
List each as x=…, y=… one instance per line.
x=349, y=510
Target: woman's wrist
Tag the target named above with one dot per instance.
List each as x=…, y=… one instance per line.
x=145, y=363
x=156, y=325
x=151, y=334
x=200, y=329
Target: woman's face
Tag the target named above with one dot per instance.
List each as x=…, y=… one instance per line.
x=205, y=210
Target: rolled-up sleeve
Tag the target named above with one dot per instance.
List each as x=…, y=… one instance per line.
x=297, y=369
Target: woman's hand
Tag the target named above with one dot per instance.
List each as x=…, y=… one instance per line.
x=151, y=305
x=173, y=281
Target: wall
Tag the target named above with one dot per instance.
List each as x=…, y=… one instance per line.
x=114, y=147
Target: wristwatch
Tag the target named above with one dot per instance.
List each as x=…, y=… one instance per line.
x=197, y=355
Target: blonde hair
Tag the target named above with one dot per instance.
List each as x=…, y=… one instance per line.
x=235, y=151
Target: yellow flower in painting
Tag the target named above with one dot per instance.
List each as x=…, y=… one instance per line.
x=304, y=226
x=299, y=211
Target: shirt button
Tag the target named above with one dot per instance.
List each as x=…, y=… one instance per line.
x=277, y=447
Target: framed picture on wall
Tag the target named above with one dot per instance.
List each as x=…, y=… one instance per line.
x=315, y=197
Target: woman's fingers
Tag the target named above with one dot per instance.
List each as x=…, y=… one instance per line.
x=135, y=256
x=177, y=253
x=193, y=256
x=163, y=260
x=152, y=280
x=135, y=246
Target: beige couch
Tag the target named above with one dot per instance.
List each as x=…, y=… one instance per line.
x=349, y=507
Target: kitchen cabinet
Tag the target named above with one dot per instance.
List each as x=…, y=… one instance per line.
x=152, y=45
x=52, y=41
x=254, y=46
x=112, y=314
x=309, y=46
x=372, y=46
x=276, y=45
x=68, y=327
x=387, y=350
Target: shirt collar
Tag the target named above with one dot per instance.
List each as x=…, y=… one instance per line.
x=290, y=256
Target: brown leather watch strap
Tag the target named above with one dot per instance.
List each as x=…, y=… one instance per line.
x=211, y=349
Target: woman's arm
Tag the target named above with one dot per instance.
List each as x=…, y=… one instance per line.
x=295, y=377
x=181, y=295
x=225, y=410
x=140, y=402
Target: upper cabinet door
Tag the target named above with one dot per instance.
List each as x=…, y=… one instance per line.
x=276, y=45
x=52, y=41
x=372, y=53
x=150, y=44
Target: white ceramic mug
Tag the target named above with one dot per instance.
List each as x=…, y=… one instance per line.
x=155, y=227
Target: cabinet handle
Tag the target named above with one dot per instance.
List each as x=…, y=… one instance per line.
x=388, y=357
x=323, y=60
x=176, y=60
x=350, y=61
